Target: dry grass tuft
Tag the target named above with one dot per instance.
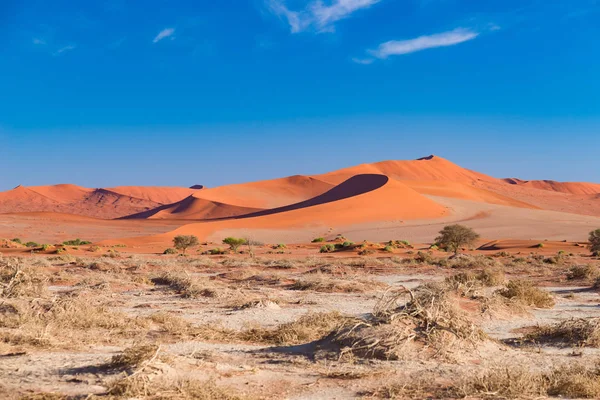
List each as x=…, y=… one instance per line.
x=20, y=280
x=469, y=282
x=308, y=328
x=501, y=382
x=166, y=388
x=572, y=381
x=133, y=357
x=430, y=319
x=527, y=293
x=186, y=285
x=583, y=272
x=65, y=321
x=326, y=284
x=579, y=332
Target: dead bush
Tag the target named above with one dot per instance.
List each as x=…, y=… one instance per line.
x=326, y=284
x=186, y=285
x=578, y=332
x=66, y=321
x=20, y=280
x=500, y=382
x=308, y=328
x=527, y=293
x=469, y=281
x=133, y=357
x=430, y=319
x=583, y=272
x=151, y=386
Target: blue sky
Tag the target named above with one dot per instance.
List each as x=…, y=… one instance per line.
x=115, y=92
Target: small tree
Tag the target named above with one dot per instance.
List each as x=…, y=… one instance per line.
x=234, y=243
x=183, y=242
x=595, y=241
x=453, y=237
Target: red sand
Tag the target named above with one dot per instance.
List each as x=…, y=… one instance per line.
x=388, y=192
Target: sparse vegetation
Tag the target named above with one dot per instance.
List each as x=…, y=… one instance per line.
x=234, y=243
x=170, y=250
x=595, y=241
x=328, y=248
x=576, y=332
x=527, y=293
x=454, y=237
x=155, y=323
x=76, y=242
x=587, y=271
x=184, y=242
x=318, y=240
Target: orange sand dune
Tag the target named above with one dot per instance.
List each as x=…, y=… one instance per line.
x=22, y=199
x=62, y=193
x=580, y=188
x=267, y=194
x=156, y=194
x=97, y=203
x=364, y=198
x=430, y=176
x=194, y=208
x=463, y=191
x=432, y=168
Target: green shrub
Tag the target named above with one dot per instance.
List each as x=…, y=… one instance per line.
x=280, y=246
x=347, y=244
x=46, y=247
x=234, y=243
x=216, y=251
x=328, y=248
x=388, y=249
x=170, y=250
x=595, y=242
x=453, y=237
x=32, y=244
x=76, y=242
x=318, y=240
x=539, y=246
x=183, y=242
x=16, y=240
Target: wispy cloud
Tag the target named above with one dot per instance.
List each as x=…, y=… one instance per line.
x=165, y=33
x=38, y=41
x=399, y=47
x=316, y=15
x=64, y=49
x=363, y=61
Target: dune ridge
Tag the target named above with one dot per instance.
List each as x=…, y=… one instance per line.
x=300, y=194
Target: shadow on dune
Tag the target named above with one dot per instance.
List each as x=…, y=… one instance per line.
x=357, y=185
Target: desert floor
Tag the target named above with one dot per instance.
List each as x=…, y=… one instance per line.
x=287, y=322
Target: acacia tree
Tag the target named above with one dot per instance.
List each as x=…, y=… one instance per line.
x=595, y=241
x=234, y=243
x=453, y=237
x=183, y=242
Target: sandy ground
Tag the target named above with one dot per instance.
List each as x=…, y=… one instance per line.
x=268, y=370
x=41, y=228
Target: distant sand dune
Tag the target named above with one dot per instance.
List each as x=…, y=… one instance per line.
x=410, y=198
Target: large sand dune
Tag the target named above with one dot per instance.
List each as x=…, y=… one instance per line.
x=372, y=200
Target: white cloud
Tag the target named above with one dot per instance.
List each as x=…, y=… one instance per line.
x=165, y=33
x=399, y=47
x=63, y=49
x=38, y=41
x=363, y=61
x=317, y=15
